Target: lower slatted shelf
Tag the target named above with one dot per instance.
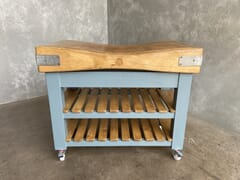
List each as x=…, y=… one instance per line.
x=118, y=130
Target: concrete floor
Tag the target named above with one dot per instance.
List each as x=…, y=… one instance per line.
x=26, y=152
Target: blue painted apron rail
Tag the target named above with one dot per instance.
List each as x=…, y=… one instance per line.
x=118, y=79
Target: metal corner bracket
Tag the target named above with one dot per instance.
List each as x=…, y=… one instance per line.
x=47, y=60
x=190, y=61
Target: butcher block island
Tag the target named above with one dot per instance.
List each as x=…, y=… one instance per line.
x=124, y=95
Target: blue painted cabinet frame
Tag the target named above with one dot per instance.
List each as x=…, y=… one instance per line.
x=56, y=82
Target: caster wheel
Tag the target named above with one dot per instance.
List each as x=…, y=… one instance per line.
x=177, y=155
x=61, y=155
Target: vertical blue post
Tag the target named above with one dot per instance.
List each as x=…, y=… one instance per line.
x=182, y=101
x=56, y=101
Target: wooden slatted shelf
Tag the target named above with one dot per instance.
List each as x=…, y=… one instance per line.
x=115, y=100
x=118, y=129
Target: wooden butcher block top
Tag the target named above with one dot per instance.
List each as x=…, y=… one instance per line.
x=78, y=56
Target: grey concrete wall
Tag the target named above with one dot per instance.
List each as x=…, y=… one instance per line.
x=211, y=24
x=27, y=23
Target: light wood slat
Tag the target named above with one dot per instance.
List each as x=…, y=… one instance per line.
x=103, y=101
x=70, y=96
x=136, y=131
x=80, y=101
x=71, y=126
x=125, y=101
x=114, y=100
x=91, y=103
x=92, y=129
x=79, y=135
x=158, y=134
x=166, y=125
x=167, y=96
x=114, y=130
x=137, y=105
x=125, y=130
x=147, y=101
x=157, y=100
x=103, y=130
x=147, y=130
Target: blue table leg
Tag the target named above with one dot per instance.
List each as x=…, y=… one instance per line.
x=56, y=101
x=182, y=101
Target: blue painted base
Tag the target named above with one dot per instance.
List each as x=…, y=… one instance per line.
x=56, y=82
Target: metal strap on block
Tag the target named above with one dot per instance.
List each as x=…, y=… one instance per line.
x=48, y=60
x=190, y=61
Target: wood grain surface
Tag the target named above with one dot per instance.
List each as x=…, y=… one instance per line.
x=78, y=56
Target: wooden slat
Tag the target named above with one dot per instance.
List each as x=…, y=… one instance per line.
x=125, y=130
x=103, y=130
x=70, y=96
x=158, y=134
x=147, y=101
x=136, y=131
x=114, y=101
x=92, y=129
x=81, y=130
x=125, y=102
x=147, y=130
x=71, y=126
x=114, y=130
x=80, y=101
x=157, y=100
x=166, y=125
x=91, y=103
x=137, y=105
x=103, y=101
x=167, y=96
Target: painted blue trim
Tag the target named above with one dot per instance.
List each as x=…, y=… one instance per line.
x=183, y=94
x=95, y=115
x=123, y=79
x=56, y=101
x=118, y=143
